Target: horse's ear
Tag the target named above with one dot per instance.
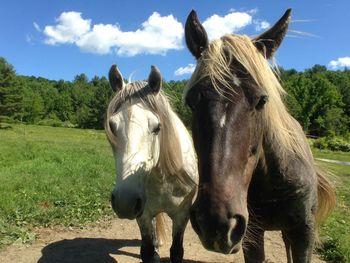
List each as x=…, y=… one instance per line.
x=155, y=79
x=269, y=41
x=195, y=34
x=115, y=78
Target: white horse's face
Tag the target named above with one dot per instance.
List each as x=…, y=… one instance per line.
x=137, y=134
x=135, y=129
x=136, y=154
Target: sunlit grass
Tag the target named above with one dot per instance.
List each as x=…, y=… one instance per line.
x=335, y=233
x=52, y=176
x=64, y=176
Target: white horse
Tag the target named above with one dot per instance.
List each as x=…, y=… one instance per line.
x=155, y=161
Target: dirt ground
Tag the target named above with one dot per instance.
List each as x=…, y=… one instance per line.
x=119, y=242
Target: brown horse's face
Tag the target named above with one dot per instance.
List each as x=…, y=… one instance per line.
x=226, y=139
x=227, y=135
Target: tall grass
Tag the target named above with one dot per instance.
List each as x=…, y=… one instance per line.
x=52, y=176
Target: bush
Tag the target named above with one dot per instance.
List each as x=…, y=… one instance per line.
x=332, y=143
x=56, y=123
x=50, y=122
x=68, y=124
x=320, y=143
x=7, y=119
x=5, y=126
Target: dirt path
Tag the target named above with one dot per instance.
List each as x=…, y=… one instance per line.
x=118, y=242
x=333, y=161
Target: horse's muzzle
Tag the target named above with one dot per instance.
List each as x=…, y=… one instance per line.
x=219, y=234
x=127, y=204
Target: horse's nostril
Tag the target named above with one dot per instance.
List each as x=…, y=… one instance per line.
x=138, y=206
x=230, y=215
x=237, y=228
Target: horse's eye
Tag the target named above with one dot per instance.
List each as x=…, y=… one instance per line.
x=156, y=130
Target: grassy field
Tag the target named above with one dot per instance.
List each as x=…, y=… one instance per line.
x=51, y=176
x=335, y=233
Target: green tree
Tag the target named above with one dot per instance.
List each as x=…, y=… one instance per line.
x=99, y=103
x=341, y=79
x=10, y=92
x=315, y=102
x=175, y=90
x=33, y=107
x=300, y=101
x=327, y=104
x=289, y=79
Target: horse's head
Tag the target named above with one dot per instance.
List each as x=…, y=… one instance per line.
x=133, y=129
x=227, y=102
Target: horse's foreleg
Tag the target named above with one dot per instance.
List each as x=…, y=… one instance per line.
x=253, y=244
x=288, y=247
x=302, y=242
x=154, y=234
x=180, y=220
x=148, y=251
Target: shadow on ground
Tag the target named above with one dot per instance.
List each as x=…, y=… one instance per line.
x=87, y=250
x=91, y=250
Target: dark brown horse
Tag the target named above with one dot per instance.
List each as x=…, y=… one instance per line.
x=256, y=169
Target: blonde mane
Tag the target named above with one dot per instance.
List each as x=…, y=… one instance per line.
x=281, y=129
x=170, y=156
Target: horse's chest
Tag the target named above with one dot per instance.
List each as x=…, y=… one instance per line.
x=167, y=193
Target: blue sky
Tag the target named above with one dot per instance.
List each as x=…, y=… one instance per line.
x=63, y=38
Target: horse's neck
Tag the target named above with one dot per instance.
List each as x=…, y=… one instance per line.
x=187, y=150
x=183, y=135
x=277, y=153
x=269, y=159
x=276, y=163
x=280, y=172
x=272, y=157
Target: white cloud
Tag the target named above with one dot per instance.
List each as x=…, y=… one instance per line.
x=340, y=63
x=216, y=25
x=100, y=39
x=261, y=24
x=185, y=70
x=253, y=11
x=69, y=29
x=157, y=35
x=37, y=27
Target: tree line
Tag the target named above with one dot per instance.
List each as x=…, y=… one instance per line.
x=318, y=98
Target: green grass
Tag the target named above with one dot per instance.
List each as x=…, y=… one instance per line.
x=335, y=233
x=52, y=176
